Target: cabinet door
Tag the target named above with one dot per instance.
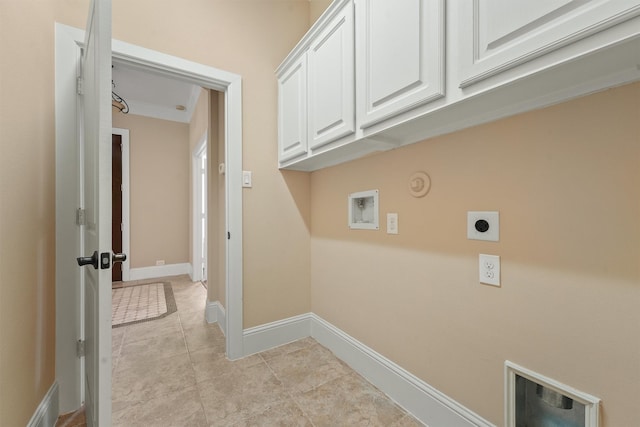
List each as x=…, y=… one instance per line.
x=400, y=56
x=292, y=111
x=331, y=80
x=498, y=35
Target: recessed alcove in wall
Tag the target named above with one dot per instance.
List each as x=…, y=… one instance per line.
x=533, y=400
x=363, y=210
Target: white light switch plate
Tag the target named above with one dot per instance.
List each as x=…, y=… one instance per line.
x=489, y=269
x=247, y=179
x=392, y=223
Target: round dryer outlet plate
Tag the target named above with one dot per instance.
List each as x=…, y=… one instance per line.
x=419, y=184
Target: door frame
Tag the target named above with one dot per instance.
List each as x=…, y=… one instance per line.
x=197, y=231
x=126, y=230
x=68, y=42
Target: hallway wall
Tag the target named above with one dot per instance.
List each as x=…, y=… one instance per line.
x=566, y=182
x=160, y=179
x=27, y=208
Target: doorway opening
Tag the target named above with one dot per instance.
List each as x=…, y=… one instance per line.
x=69, y=327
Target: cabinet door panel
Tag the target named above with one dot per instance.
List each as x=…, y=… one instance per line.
x=507, y=33
x=331, y=81
x=292, y=111
x=400, y=59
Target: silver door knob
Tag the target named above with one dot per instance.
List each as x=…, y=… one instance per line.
x=118, y=258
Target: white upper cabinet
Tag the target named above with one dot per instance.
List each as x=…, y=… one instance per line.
x=499, y=35
x=331, y=81
x=400, y=56
x=373, y=75
x=292, y=110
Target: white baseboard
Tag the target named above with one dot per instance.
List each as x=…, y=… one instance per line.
x=46, y=413
x=214, y=313
x=421, y=400
x=157, y=271
x=274, y=334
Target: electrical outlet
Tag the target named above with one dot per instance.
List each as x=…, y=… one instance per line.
x=489, y=269
x=160, y=262
x=483, y=226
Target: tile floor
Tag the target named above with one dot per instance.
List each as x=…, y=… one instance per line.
x=173, y=372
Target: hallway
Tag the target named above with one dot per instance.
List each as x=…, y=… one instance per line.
x=173, y=372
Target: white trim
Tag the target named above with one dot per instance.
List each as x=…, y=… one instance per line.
x=158, y=271
x=126, y=224
x=46, y=413
x=69, y=301
x=274, y=334
x=196, y=190
x=421, y=400
x=424, y=402
x=214, y=313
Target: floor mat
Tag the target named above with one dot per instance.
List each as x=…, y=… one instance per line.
x=141, y=303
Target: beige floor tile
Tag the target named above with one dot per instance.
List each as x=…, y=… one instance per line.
x=180, y=408
x=209, y=363
x=168, y=325
x=348, y=401
x=240, y=395
x=206, y=336
x=190, y=302
x=288, y=348
x=307, y=368
x=156, y=348
x=157, y=378
x=192, y=318
x=173, y=372
x=281, y=414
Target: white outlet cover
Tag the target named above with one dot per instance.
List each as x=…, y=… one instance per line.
x=493, y=220
x=489, y=269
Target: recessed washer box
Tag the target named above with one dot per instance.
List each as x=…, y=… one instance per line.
x=363, y=210
x=483, y=225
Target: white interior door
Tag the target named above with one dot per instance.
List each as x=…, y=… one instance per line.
x=95, y=194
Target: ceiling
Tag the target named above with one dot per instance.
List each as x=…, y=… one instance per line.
x=154, y=95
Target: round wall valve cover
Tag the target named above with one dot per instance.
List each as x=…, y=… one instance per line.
x=419, y=184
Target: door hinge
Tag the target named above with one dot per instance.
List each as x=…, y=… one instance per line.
x=80, y=85
x=228, y=235
x=80, y=348
x=80, y=217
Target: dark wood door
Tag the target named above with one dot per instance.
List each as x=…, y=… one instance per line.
x=116, y=181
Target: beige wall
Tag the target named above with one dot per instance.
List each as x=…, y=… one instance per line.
x=565, y=180
x=27, y=208
x=316, y=7
x=159, y=168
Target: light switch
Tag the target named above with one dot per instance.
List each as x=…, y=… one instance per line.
x=392, y=223
x=247, y=179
